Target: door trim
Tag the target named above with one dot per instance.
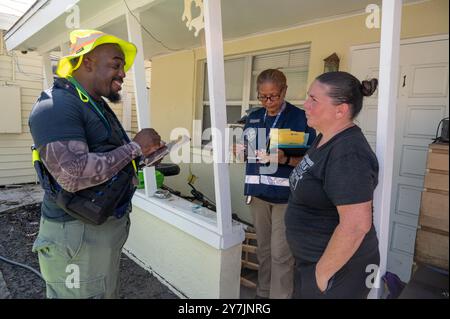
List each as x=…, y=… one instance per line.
x=422, y=42
x=425, y=39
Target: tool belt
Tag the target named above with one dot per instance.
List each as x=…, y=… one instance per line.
x=95, y=204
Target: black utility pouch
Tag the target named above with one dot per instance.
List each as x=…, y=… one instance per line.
x=95, y=204
x=45, y=179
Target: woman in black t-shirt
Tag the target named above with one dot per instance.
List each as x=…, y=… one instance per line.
x=329, y=224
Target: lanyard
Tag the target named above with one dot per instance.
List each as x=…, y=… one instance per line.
x=274, y=122
x=84, y=97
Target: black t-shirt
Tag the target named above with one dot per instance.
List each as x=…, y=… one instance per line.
x=60, y=115
x=343, y=171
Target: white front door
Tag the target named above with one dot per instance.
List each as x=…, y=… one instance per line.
x=422, y=103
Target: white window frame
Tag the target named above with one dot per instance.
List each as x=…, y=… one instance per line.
x=247, y=76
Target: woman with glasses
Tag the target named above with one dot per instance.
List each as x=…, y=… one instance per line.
x=329, y=216
x=267, y=182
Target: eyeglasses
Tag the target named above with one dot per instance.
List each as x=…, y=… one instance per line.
x=271, y=98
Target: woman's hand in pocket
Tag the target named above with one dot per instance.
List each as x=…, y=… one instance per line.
x=321, y=280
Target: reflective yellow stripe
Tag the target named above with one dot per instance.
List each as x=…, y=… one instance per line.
x=82, y=96
x=36, y=156
x=134, y=165
x=78, y=64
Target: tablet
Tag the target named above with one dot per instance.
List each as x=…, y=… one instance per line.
x=163, y=151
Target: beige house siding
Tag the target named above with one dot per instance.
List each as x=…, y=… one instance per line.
x=129, y=88
x=25, y=71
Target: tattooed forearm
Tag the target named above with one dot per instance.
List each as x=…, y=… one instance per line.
x=74, y=168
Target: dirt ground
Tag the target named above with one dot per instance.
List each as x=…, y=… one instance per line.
x=18, y=230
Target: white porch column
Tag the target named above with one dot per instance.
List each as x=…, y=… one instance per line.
x=47, y=71
x=387, y=106
x=216, y=82
x=140, y=92
x=126, y=111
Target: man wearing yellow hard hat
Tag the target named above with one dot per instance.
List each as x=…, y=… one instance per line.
x=86, y=165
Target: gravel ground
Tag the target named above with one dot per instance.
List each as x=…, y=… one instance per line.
x=18, y=230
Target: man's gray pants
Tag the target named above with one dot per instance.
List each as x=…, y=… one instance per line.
x=79, y=260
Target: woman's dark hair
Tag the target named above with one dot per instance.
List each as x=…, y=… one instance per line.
x=272, y=75
x=346, y=88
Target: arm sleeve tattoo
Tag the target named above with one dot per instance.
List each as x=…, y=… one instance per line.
x=74, y=168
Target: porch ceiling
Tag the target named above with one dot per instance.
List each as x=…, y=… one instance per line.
x=240, y=18
x=11, y=11
x=162, y=18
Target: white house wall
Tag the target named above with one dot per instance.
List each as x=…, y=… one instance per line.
x=189, y=266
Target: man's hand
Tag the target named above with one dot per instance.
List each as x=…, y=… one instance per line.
x=149, y=141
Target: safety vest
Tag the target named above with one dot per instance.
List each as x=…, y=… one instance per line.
x=272, y=185
x=124, y=179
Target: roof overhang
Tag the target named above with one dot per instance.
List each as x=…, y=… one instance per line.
x=43, y=28
x=37, y=18
x=6, y=20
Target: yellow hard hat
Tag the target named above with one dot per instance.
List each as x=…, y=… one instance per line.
x=84, y=41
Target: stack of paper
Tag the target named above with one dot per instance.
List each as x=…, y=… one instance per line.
x=285, y=138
